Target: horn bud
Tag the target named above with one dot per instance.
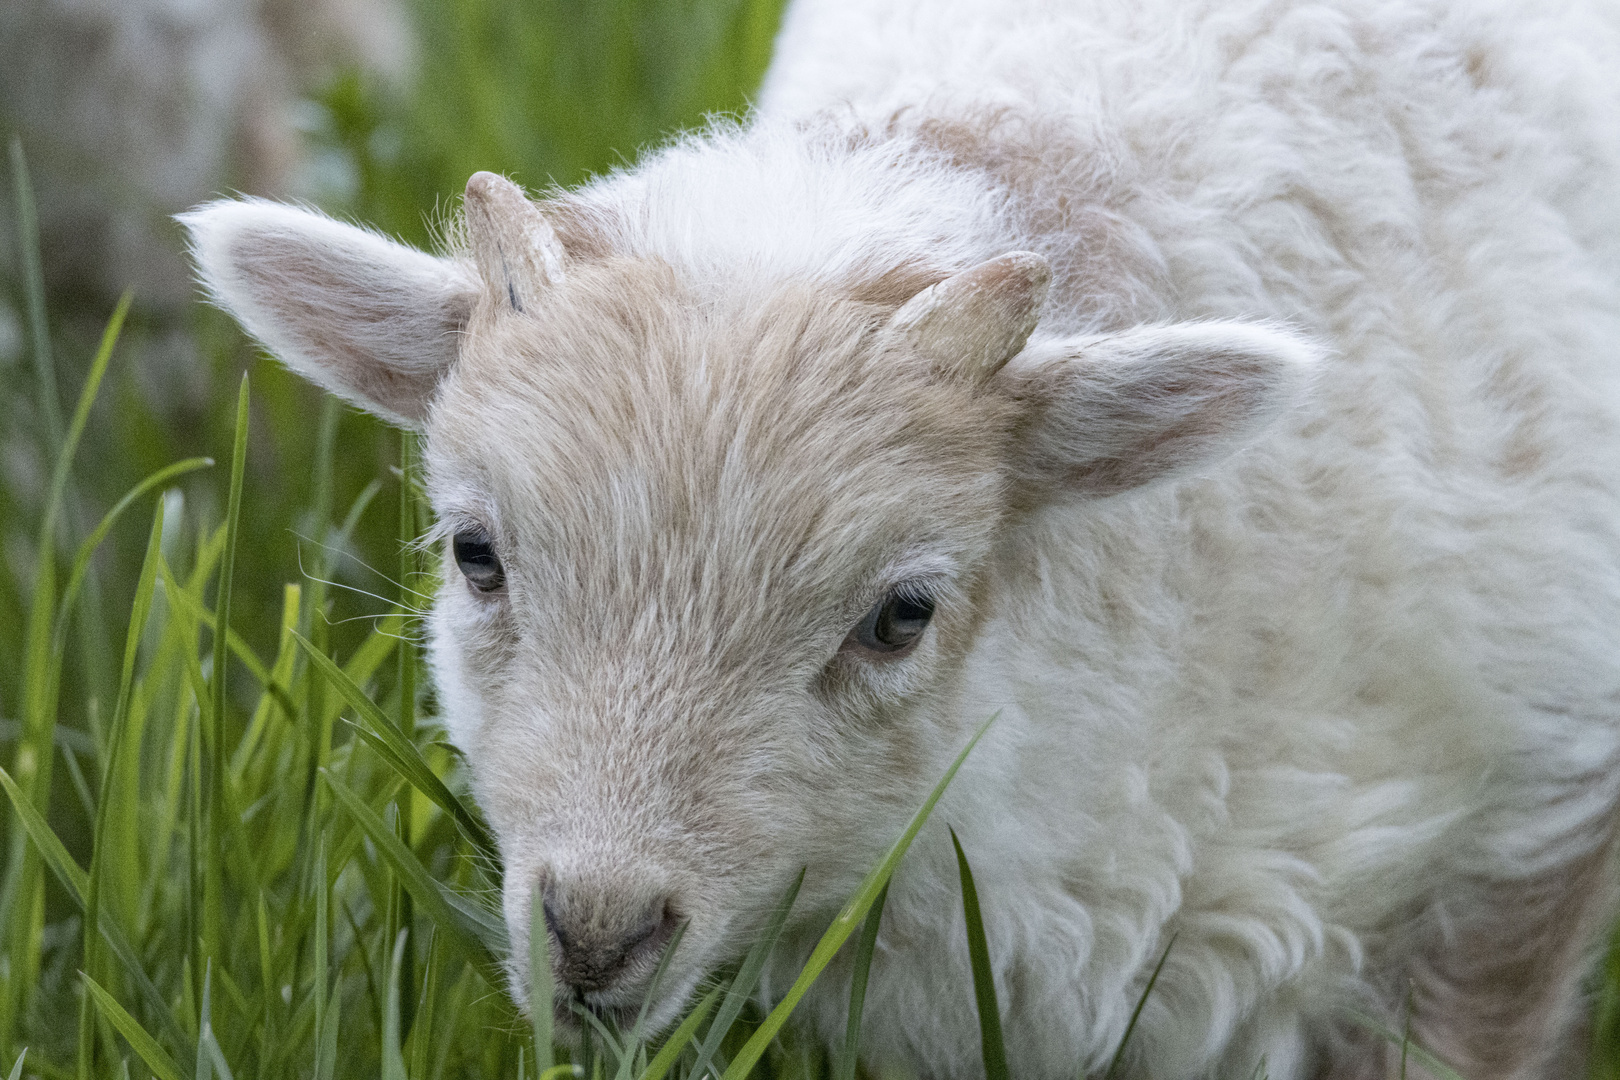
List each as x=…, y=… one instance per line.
x=517, y=251
x=974, y=322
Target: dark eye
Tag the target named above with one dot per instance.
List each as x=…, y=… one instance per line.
x=475, y=554
x=895, y=624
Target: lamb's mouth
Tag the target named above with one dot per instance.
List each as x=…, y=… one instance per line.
x=571, y=1018
x=617, y=1010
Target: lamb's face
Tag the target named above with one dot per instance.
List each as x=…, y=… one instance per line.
x=706, y=568
x=712, y=564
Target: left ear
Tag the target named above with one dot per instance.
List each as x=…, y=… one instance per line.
x=1104, y=415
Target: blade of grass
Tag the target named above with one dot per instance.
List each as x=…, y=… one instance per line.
x=542, y=988
x=216, y=1056
x=406, y=668
x=326, y=1045
x=267, y=990
x=1406, y=1032
x=991, y=1046
x=407, y=761
x=50, y=404
x=210, y=1058
x=1136, y=1014
x=634, y=1039
x=400, y=753
x=204, y=1069
x=157, y=1059
x=426, y=1011
x=845, y=924
x=393, y=1062
x=366, y=660
x=56, y=856
x=477, y=934
x=22, y=896
x=42, y=609
x=742, y=987
x=75, y=881
x=16, y=1070
x=213, y=865
x=110, y=771
x=323, y=923
x=222, y=603
x=865, y=946
x=194, y=834
x=1435, y=1067
x=679, y=1039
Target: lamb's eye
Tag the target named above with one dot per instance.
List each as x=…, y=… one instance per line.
x=475, y=554
x=895, y=624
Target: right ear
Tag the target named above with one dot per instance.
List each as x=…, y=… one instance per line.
x=371, y=320
x=1107, y=414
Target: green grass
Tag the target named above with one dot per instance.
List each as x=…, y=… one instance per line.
x=249, y=853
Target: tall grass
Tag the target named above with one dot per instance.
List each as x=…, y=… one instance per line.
x=236, y=842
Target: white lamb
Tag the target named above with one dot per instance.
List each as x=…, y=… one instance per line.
x=1225, y=393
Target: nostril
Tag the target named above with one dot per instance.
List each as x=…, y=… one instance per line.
x=654, y=926
x=552, y=922
x=600, y=940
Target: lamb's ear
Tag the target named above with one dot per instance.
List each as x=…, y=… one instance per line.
x=1113, y=413
x=371, y=320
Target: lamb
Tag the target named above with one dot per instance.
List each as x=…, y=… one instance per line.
x=1224, y=394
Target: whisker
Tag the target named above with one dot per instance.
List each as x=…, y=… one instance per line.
x=357, y=559
x=391, y=602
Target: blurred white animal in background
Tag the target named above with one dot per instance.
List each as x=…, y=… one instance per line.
x=132, y=110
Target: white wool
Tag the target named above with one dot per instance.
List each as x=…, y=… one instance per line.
x=830, y=211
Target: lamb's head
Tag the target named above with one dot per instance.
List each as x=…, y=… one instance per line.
x=713, y=558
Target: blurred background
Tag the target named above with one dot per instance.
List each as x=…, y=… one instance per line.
x=126, y=112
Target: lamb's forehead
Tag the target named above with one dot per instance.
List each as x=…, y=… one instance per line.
x=626, y=399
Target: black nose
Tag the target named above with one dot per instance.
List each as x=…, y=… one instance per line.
x=603, y=940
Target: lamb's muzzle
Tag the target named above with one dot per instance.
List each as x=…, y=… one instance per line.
x=605, y=940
